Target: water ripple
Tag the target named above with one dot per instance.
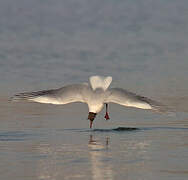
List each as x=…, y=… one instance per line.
x=14, y=136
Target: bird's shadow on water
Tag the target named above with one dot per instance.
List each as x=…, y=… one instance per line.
x=118, y=129
x=125, y=129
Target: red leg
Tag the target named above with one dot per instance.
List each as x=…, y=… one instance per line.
x=106, y=115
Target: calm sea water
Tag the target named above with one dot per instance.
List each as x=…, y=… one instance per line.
x=143, y=45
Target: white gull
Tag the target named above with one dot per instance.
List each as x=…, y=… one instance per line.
x=95, y=94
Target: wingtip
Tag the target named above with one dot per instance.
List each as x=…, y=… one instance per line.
x=18, y=97
x=14, y=99
x=163, y=109
x=11, y=99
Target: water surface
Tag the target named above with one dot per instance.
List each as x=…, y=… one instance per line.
x=143, y=45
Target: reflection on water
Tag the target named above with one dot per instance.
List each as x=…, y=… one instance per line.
x=97, y=162
x=53, y=159
x=90, y=155
x=100, y=164
x=60, y=162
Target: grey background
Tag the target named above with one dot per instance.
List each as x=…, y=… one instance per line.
x=141, y=44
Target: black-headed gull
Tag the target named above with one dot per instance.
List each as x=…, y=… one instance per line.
x=95, y=94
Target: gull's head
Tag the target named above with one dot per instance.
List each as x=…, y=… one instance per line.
x=93, y=110
x=91, y=117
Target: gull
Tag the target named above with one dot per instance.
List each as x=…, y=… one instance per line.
x=96, y=94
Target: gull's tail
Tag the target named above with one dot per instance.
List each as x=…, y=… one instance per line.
x=100, y=82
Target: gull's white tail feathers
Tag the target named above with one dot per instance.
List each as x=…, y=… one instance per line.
x=100, y=82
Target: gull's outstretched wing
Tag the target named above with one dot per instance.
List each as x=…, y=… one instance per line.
x=126, y=98
x=64, y=95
